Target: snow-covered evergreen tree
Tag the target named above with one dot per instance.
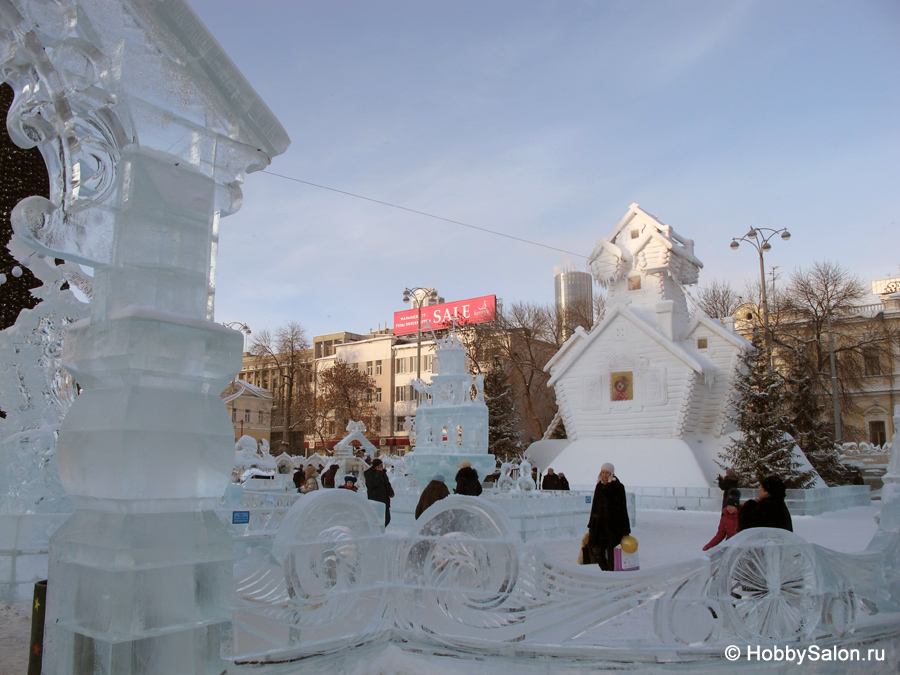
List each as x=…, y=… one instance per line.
x=807, y=426
x=503, y=421
x=762, y=449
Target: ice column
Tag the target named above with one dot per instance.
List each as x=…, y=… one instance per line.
x=147, y=129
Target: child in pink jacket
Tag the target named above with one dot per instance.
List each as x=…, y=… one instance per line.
x=728, y=523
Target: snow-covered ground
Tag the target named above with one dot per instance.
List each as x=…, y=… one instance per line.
x=664, y=536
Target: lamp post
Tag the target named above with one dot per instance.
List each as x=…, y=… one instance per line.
x=238, y=325
x=757, y=238
x=419, y=296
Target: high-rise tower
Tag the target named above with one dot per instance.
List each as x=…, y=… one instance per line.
x=574, y=299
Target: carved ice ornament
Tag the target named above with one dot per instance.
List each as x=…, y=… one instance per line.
x=461, y=578
x=84, y=97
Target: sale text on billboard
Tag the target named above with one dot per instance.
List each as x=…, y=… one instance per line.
x=434, y=317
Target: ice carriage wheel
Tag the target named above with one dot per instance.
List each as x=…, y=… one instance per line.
x=766, y=585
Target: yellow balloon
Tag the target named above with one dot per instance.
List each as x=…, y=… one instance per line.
x=629, y=544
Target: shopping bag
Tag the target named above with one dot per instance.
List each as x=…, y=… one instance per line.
x=625, y=562
x=584, y=555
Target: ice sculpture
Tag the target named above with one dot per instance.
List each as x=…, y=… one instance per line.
x=450, y=426
x=462, y=582
x=147, y=130
x=648, y=387
x=35, y=394
x=347, y=462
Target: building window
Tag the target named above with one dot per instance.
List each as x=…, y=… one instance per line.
x=378, y=367
x=412, y=364
x=427, y=362
x=403, y=393
x=247, y=416
x=702, y=343
x=400, y=366
x=369, y=368
x=261, y=417
x=401, y=420
x=234, y=414
x=377, y=394
x=376, y=424
x=877, y=433
x=871, y=362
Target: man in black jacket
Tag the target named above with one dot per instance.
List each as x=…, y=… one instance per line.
x=767, y=510
x=467, y=482
x=609, y=518
x=551, y=481
x=378, y=487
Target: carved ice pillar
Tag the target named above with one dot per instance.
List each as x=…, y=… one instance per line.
x=147, y=129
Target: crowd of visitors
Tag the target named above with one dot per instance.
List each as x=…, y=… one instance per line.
x=608, y=523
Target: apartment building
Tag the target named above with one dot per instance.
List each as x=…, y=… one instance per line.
x=392, y=362
x=250, y=408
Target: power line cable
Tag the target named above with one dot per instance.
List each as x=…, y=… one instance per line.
x=427, y=215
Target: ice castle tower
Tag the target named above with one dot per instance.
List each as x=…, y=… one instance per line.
x=648, y=387
x=450, y=425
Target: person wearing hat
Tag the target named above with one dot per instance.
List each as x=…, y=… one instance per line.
x=609, y=518
x=350, y=483
x=467, y=482
x=378, y=487
x=435, y=491
x=728, y=522
x=767, y=510
x=726, y=483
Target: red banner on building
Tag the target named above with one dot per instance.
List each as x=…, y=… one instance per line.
x=434, y=317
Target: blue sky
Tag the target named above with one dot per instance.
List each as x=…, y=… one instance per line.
x=546, y=120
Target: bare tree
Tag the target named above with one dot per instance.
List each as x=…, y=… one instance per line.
x=822, y=310
x=719, y=299
x=285, y=349
x=345, y=393
x=522, y=339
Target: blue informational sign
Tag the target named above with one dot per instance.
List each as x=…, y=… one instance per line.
x=240, y=517
x=587, y=499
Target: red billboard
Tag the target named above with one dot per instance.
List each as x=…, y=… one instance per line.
x=464, y=312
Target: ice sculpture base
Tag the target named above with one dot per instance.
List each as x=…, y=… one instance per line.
x=534, y=515
x=24, y=544
x=138, y=593
x=423, y=466
x=810, y=502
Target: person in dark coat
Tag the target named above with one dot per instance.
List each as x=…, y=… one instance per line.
x=563, y=481
x=378, y=487
x=767, y=510
x=435, y=491
x=728, y=522
x=726, y=483
x=299, y=478
x=609, y=518
x=550, y=481
x=467, y=482
x=328, y=476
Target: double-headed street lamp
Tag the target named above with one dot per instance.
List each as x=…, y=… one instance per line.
x=419, y=296
x=238, y=325
x=760, y=241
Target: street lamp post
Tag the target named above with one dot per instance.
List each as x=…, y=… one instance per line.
x=238, y=325
x=760, y=241
x=419, y=296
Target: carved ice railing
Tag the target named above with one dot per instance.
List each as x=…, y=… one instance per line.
x=462, y=579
